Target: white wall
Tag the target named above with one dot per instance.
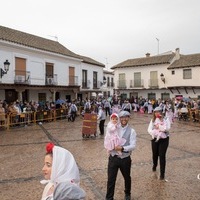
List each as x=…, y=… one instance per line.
x=170, y=81
x=36, y=64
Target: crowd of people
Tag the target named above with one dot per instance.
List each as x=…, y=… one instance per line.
x=119, y=141
x=182, y=109
x=60, y=170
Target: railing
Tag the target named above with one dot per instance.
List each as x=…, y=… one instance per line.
x=51, y=80
x=73, y=80
x=22, y=77
x=122, y=84
x=153, y=83
x=8, y=121
x=86, y=84
x=110, y=84
x=136, y=83
x=26, y=118
x=97, y=85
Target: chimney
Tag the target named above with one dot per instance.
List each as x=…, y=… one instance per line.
x=177, y=53
x=147, y=55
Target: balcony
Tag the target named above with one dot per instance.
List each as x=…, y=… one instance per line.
x=110, y=84
x=73, y=80
x=136, y=83
x=51, y=80
x=86, y=84
x=153, y=83
x=97, y=84
x=121, y=84
x=22, y=77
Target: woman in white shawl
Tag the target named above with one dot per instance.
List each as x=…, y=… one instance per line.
x=59, y=166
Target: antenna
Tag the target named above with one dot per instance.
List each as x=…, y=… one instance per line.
x=106, y=63
x=54, y=36
x=158, y=44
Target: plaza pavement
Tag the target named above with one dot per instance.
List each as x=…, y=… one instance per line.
x=22, y=151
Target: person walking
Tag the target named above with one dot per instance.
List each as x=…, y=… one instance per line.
x=121, y=162
x=107, y=107
x=73, y=110
x=101, y=116
x=159, y=148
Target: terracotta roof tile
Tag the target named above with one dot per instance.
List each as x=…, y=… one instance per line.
x=152, y=60
x=91, y=61
x=191, y=60
x=29, y=40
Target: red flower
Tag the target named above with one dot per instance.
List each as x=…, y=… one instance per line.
x=49, y=147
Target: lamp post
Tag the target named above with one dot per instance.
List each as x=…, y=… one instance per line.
x=6, y=68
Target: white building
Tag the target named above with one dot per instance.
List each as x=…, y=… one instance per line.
x=92, y=78
x=108, y=83
x=163, y=76
x=44, y=70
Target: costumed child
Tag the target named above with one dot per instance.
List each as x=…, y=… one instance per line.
x=112, y=138
x=159, y=126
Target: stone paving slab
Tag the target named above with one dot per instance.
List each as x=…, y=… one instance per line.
x=22, y=152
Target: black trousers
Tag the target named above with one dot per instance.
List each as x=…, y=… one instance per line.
x=101, y=126
x=73, y=116
x=159, y=149
x=124, y=165
x=107, y=109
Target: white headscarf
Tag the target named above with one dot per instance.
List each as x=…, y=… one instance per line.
x=64, y=169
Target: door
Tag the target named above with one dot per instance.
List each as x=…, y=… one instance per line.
x=10, y=96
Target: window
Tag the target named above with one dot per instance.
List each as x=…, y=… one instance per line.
x=94, y=79
x=49, y=70
x=71, y=75
x=137, y=79
x=108, y=81
x=173, y=72
x=20, y=72
x=153, y=82
x=84, y=80
x=187, y=74
x=122, y=81
x=112, y=82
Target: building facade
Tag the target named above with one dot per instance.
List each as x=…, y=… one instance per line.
x=43, y=70
x=108, y=83
x=163, y=76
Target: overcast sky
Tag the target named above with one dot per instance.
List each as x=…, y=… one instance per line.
x=109, y=31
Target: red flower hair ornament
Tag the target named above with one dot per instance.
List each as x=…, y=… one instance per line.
x=49, y=147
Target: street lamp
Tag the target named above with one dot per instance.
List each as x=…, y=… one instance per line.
x=162, y=77
x=104, y=80
x=6, y=68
